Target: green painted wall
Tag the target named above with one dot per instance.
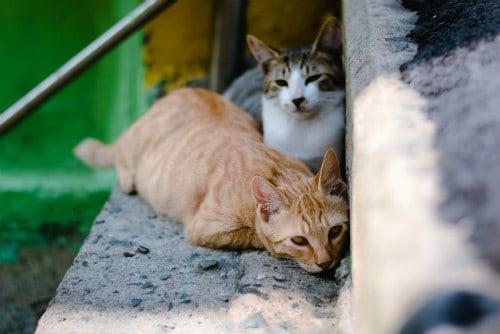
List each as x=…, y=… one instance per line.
x=44, y=190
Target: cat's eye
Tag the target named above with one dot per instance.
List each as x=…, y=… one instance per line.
x=312, y=78
x=334, y=232
x=300, y=241
x=282, y=83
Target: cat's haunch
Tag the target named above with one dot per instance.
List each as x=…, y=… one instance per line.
x=199, y=160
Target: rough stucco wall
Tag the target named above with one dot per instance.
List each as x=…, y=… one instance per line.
x=178, y=42
x=458, y=52
x=424, y=177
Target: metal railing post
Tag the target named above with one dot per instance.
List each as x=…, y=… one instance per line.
x=228, y=43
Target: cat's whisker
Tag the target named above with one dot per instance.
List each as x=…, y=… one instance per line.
x=289, y=263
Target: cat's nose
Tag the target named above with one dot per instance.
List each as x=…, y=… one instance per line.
x=325, y=265
x=298, y=101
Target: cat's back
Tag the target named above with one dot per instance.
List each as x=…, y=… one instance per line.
x=182, y=114
x=199, y=120
x=190, y=107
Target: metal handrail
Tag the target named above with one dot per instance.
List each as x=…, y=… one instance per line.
x=70, y=70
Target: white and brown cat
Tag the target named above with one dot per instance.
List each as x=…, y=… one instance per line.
x=298, y=95
x=199, y=159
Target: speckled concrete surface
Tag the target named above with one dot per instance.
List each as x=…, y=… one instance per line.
x=136, y=273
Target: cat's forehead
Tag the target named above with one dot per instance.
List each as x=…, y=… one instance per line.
x=314, y=221
x=299, y=59
x=295, y=57
x=316, y=206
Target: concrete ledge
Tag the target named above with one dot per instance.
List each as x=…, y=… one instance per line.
x=136, y=273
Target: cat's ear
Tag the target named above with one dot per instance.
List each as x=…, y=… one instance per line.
x=329, y=178
x=330, y=37
x=260, y=51
x=268, y=199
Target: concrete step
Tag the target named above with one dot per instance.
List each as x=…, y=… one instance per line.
x=135, y=272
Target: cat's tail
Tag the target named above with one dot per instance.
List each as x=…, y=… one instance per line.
x=94, y=153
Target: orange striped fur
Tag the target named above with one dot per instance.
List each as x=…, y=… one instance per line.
x=198, y=159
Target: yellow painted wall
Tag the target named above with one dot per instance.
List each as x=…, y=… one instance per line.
x=178, y=41
x=287, y=23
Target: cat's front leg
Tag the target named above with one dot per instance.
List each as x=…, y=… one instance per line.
x=220, y=234
x=125, y=178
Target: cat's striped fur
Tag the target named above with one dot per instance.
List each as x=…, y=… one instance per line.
x=198, y=159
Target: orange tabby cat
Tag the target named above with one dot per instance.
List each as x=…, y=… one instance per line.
x=198, y=159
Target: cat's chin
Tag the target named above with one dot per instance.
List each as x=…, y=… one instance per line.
x=303, y=114
x=316, y=269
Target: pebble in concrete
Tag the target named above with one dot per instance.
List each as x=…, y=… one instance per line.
x=254, y=321
x=208, y=264
x=136, y=302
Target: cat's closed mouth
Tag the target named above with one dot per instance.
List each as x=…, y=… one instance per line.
x=303, y=110
x=304, y=113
